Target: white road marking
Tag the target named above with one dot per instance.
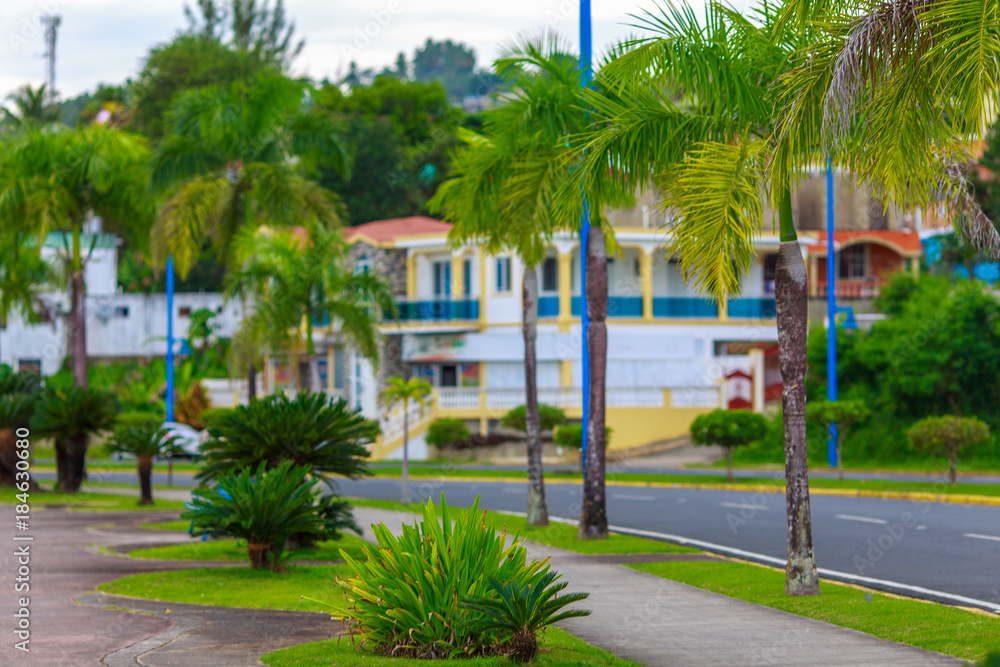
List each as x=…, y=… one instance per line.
x=745, y=505
x=863, y=519
x=625, y=496
x=981, y=537
x=921, y=527
x=780, y=562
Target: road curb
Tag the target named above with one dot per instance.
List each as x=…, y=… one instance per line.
x=916, y=496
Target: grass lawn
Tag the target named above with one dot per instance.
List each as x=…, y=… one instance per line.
x=559, y=648
x=935, y=627
x=556, y=474
x=559, y=535
x=89, y=501
x=236, y=550
x=235, y=587
x=179, y=525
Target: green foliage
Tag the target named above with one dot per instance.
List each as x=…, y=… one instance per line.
x=548, y=417
x=404, y=597
x=571, y=435
x=728, y=428
x=322, y=434
x=947, y=435
x=447, y=431
x=398, y=390
x=74, y=412
x=212, y=415
x=142, y=438
x=843, y=413
x=262, y=506
x=520, y=612
x=19, y=394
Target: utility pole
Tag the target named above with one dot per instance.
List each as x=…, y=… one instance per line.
x=51, y=23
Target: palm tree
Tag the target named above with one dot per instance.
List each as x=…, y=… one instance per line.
x=23, y=274
x=144, y=440
x=297, y=279
x=907, y=141
x=30, y=108
x=694, y=111
x=234, y=158
x=56, y=181
x=398, y=390
x=70, y=417
x=19, y=393
x=501, y=194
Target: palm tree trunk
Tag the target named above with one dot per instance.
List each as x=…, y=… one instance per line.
x=145, y=465
x=538, y=513
x=76, y=456
x=801, y=577
x=729, y=463
x=594, y=513
x=251, y=382
x=404, y=494
x=77, y=329
x=62, y=464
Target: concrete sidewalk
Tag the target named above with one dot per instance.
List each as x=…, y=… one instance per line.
x=661, y=622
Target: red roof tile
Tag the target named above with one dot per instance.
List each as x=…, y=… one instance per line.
x=388, y=230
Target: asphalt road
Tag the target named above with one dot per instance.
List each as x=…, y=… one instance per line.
x=946, y=549
x=943, y=551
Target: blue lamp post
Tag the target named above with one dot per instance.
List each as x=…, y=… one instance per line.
x=585, y=79
x=832, y=309
x=170, y=339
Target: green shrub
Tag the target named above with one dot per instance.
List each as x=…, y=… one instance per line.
x=404, y=598
x=948, y=436
x=311, y=430
x=571, y=436
x=262, y=506
x=845, y=414
x=520, y=612
x=447, y=431
x=212, y=416
x=548, y=417
x=728, y=429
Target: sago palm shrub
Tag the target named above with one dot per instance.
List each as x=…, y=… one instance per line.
x=145, y=439
x=70, y=417
x=262, y=506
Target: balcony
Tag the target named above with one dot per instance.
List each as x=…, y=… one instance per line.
x=438, y=310
x=679, y=306
x=858, y=288
x=753, y=308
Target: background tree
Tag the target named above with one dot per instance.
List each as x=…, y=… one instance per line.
x=297, y=280
x=398, y=390
x=23, y=276
x=251, y=26
x=145, y=440
x=401, y=133
x=30, y=108
x=845, y=414
x=728, y=429
x=234, y=159
x=500, y=194
x=56, y=181
x=70, y=417
x=450, y=63
x=948, y=436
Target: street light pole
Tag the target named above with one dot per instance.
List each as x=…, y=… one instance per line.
x=585, y=78
x=831, y=311
x=170, y=339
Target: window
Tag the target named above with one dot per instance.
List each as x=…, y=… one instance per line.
x=184, y=311
x=503, y=274
x=363, y=264
x=637, y=268
x=467, y=277
x=442, y=279
x=852, y=261
x=33, y=366
x=121, y=311
x=338, y=368
x=550, y=275
x=449, y=376
x=770, y=269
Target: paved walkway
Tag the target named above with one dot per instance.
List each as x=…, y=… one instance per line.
x=661, y=622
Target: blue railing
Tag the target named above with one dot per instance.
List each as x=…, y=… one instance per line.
x=548, y=306
x=438, y=310
x=756, y=308
x=681, y=306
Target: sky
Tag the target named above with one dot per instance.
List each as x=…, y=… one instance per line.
x=105, y=41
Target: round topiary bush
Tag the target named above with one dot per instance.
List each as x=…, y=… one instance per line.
x=447, y=431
